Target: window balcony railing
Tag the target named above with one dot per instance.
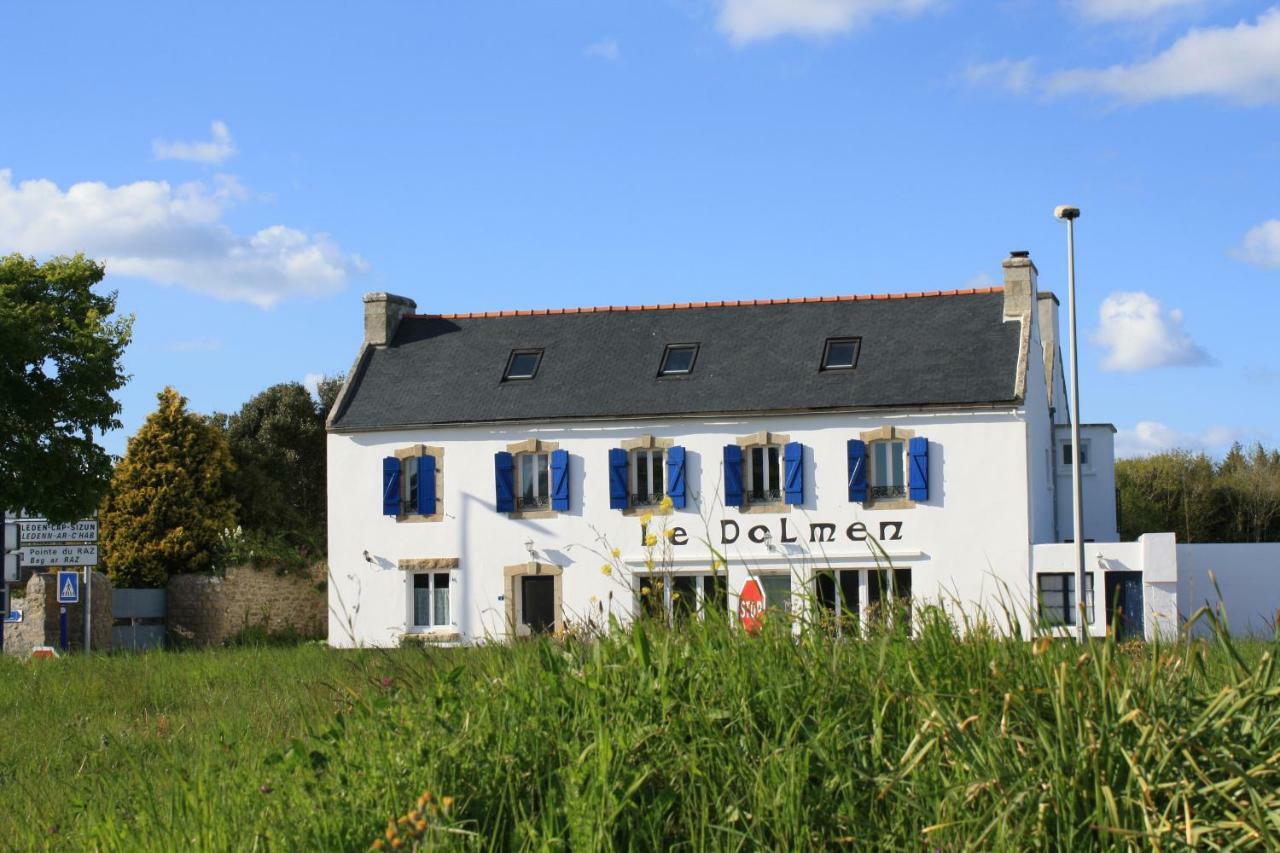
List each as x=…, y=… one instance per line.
x=882, y=492
x=647, y=500
x=764, y=496
x=530, y=502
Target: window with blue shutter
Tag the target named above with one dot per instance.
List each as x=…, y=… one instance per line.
x=426, y=485
x=857, y=470
x=675, y=477
x=918, y=461
x=732, y=475
x=617, y=478
x=560, y=480
x=793, y=472
x=390, y=486
x=504, y=470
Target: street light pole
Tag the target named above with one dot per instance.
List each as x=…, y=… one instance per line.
x=1070, y=214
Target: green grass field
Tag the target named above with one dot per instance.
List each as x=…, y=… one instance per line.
x=648, y=739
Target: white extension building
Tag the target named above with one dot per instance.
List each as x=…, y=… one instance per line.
x=485, y=468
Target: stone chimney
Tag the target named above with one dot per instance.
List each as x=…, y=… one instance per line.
x=382, y=315
x=1019, y=285
x=1048, y=324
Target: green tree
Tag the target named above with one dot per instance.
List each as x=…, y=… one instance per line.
x=1252, y=483
x=327, y=390
x=169, y=501
x=1173, y=491
x=60, y=350
x=277, y=442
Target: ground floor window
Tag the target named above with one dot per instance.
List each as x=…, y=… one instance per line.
x=431, y=600
x=777, y=591
x=889, y=597
x=680, y=597
x=1057, y=595
x=837, y=595
x=538, y=603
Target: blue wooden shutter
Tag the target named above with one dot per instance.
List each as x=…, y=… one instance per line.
x=857, y=470
x=675, y=476
x=560, y=480
x=617, y=478
x=390, y=485
x=504, y=470
x=918, y=456
x=426, y=485
x=793, y=472
x=732, y=475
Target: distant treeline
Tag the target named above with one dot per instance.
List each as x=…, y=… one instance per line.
x=1235, y=500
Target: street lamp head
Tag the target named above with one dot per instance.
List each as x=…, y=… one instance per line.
x=1066, y=211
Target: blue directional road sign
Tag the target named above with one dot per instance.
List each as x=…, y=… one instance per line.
x=68, y=587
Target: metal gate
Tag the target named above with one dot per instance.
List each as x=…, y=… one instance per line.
x=138, y=616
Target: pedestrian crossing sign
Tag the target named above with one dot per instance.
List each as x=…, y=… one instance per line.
x=68, y=587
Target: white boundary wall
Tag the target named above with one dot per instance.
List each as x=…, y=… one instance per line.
x=1176, y=581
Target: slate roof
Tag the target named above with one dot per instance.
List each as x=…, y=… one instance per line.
x=951, y=348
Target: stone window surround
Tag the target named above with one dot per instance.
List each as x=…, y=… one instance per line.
x=888, y=433
x=411, y=513
x=419, y=565
x=511, y=588
x=763, y=438
x=530, y=445
x=642, y=442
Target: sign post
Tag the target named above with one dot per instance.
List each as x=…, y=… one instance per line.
x=68, y=593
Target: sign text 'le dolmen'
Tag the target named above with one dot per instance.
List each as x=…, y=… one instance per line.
x=819, y=531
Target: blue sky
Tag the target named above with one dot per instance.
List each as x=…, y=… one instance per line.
x=248, y=170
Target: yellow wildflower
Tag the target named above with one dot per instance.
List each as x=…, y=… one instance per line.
x=644, y=590
x=671, y=533
x=645, y=519
x=446, y=802
x=666, y=504
x=616, y=552
x=650, y=540
x=606, y=570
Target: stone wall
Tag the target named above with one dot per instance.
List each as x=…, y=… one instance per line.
x=209, y=610
x=40, y=611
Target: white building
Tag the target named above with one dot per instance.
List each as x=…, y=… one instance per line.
x=483, y=468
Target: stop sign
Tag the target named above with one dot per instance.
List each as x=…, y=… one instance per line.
x=751, y=606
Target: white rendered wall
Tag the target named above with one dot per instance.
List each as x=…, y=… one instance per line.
x=969, y=541
x=1248, y=578
x=1097, y=484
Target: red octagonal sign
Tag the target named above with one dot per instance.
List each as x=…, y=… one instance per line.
x=751, y=606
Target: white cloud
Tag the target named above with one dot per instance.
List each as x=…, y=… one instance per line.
x=745, y=21
x=311, y=382
x=1149, y=437
x=607, y=49
x=214, y=151
x=1240, y=63
x=1013, y=75
x=1261, y=246
x=980, y=281
x=1139, y=334
x=1133, y=10
x=171, y=235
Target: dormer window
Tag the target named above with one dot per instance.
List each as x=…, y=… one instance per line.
x=841, y=353
x=523, y=364
x=677, y=360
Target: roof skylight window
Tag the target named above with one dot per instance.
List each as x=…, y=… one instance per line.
x=523, y=364
x=677, y=359
x=841, y=353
